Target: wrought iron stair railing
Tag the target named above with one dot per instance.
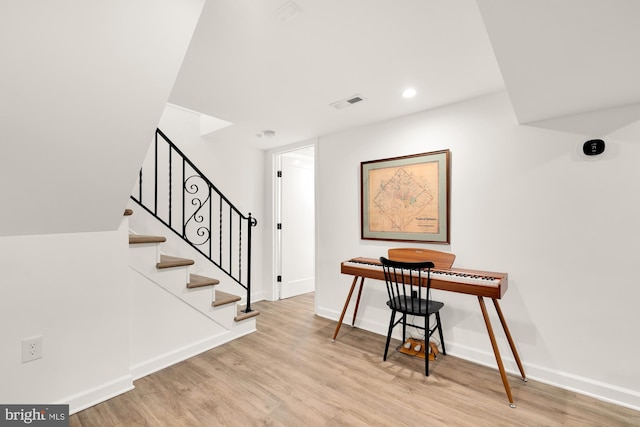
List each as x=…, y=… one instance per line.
x=204, y=217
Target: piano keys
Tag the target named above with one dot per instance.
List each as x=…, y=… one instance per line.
x=473, y=282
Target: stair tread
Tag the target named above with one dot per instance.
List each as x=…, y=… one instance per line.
x=141, y=238
x=224, y=298
x=197, y=281
x=167, y=261
x=243, y=316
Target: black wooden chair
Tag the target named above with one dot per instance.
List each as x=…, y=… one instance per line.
x=409, y=289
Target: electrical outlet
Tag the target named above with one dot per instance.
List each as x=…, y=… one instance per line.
x=31, y=349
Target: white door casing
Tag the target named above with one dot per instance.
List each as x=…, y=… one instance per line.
x=297, y=216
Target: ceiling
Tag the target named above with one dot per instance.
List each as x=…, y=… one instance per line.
x=279, y=65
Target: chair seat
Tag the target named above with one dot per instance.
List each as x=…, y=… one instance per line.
x=414, y=306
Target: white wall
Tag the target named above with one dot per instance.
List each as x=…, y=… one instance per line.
x=524, y=201
x=73, y=290
x=83, y=85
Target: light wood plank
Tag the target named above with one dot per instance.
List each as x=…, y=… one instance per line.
x=198, y=281
x=167, y=261
x=290, y=373
x=139, y=238
x=223, y=298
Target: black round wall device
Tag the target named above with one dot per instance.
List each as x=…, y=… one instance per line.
x=593, y=147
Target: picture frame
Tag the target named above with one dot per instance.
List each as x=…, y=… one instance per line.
x=406, y=198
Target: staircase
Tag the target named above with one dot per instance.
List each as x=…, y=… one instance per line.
x=180, y=197
x=175, y=292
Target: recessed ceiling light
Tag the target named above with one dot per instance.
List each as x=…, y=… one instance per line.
x=409, y=93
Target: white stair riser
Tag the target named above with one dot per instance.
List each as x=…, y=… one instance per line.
x=143, y=257
x=245, y=326
x=223, y=314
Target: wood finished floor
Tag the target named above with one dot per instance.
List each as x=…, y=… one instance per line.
x=290, y=373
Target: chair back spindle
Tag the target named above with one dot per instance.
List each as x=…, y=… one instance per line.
x=409, y=291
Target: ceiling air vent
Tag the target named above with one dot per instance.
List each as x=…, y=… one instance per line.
x=347, y=102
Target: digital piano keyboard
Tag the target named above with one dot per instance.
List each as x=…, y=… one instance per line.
x=473, y=282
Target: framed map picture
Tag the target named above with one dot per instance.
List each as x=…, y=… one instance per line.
x=406, y=198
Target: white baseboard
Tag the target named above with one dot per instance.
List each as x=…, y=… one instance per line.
x=180, y=354
x=93, y=396
x=586, y=386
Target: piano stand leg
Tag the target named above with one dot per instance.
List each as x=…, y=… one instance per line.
x=496, y=352
x=355, y=310
x=346, y=304
x=511, y=343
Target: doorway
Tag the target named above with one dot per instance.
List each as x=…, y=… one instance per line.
x=295, y=218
